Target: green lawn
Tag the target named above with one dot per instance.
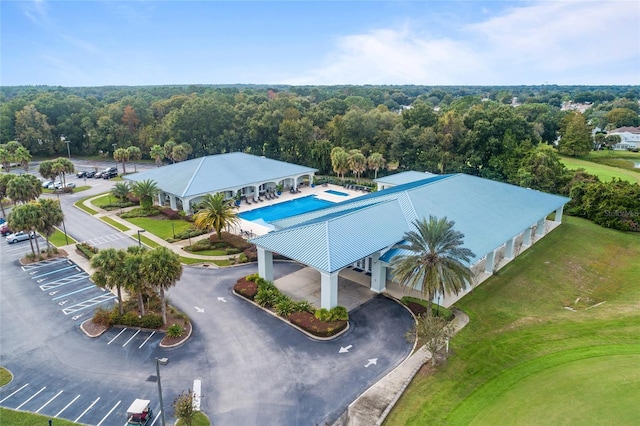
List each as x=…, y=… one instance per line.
x=603, y=171
x=104, y=200
x=161, y=228
x=520, y=334
x=19, y=418
x=58, y=239
x=114, y=223
x=80, y=204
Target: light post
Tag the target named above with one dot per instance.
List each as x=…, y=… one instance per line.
x=159, y=361
x=140, y=231
x=114, y=152
x=63, y=139
x=438, y=306
x=173, y=230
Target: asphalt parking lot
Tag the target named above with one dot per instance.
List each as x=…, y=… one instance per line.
x=254, y=368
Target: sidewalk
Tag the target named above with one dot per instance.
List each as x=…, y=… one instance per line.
x=375, y=404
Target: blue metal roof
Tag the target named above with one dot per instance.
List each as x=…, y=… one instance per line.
x=488, y=213
x=403, y=177
x=216, y=173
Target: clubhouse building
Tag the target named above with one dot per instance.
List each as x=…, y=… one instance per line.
x=499, y=221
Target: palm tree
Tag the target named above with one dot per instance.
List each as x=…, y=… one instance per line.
x=375, y=162
x=339, y=161
x=157, y=153
x=436, y=259
x=161, y=268
x=23, y=156
x=108, y=264
x=132, y=277
x=50, y=216
x=121, y=155
x=215, y=213
x=120, y=190
x=4, y=180
x=145, y=190
x=26, y=217
x=134, y=155
x=24, y=188
x=357, y=163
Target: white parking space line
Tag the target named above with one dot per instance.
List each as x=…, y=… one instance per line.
x=87, y=303
x=109, y=413
x=87, y=410
x=131, y=338
x=146, y=340
x=74, y=292
x=47, y=403
x=35, y=277
x=13, y=393
x=67, y=406
x=29, y=399
x=44, y=263
x=64, y=281
x=118, y=335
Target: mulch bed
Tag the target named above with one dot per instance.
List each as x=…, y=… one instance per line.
x=44, y=256
x=246, y=288
x=416, y=308
x=307, y=321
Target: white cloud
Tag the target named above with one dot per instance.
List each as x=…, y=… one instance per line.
x=567, y=42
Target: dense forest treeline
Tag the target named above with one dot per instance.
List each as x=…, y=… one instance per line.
x=511, y=134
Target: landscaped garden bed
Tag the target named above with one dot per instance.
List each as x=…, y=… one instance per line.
x=321, y=323
x=420, y=306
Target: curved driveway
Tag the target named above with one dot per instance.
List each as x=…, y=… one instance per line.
x=254, y=368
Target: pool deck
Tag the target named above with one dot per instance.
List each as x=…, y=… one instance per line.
x=255, y=229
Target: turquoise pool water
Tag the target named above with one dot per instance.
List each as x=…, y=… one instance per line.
x=331, y=191
x=287, y=209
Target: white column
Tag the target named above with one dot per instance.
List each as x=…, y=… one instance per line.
x=172, y=202
x=558, y=217
x=265, y=264
x=540, y=229
x=508, y=249
x=378, y=274
x=526, y=237
x=161, y=198
x=256, y=191
x=490, y=262
x=328, y=290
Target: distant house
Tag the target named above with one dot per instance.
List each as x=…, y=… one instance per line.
x=629, y=138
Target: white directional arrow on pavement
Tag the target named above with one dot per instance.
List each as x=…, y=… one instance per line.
x=372, y=361
x=199, y=309
x=344, y=349
x=221, y=299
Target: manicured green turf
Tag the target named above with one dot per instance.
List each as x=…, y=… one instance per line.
x=604, y=172
x=58, y=239
x=20, y=418
x=193, y=261
x=519, y=326
x=104, y=200
x=5, y=376
x=565, y=388
x=161, y=228
x=80, y=204
x=114, y=223
x=199, y=419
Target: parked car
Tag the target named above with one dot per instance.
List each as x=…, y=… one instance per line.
x=4, y=229
x=108, y=174
x=81, y=174
x=47, y=183
x=98, y=175
x=90, y=174
x=56, y=185
x=71, y=185
x=19, y=236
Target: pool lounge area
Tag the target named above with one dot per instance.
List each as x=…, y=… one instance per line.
x=255, y=218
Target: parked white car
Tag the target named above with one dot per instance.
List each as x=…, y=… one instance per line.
x=19, y=236
x=47, y=183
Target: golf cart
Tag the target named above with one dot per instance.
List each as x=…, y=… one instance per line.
x=139, y=413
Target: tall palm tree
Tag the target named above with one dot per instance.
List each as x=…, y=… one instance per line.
x=157, y=153
x=108, y=264
x=145, y=190
x=375, y=162
x=24, y=188
x=121, y=155
x=161, y=268
x=26, y=218
x=215, y=213
x=436, y=262
x=357, y=163
x=4, y=180
x=132, y=276
x=50, y=216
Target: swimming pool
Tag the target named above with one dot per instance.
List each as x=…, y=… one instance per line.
x=334, y=192
x=286, y=209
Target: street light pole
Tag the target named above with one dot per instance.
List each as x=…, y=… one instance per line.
x=67, y=142
x=163, y=361
x=114, y=152
x=140, y=231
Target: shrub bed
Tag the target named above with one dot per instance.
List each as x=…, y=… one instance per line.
x=86, y=250
x=319, y=322
x=141, y=212
x=419, y=307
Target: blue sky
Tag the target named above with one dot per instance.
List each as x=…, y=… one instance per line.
x=96, y=43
